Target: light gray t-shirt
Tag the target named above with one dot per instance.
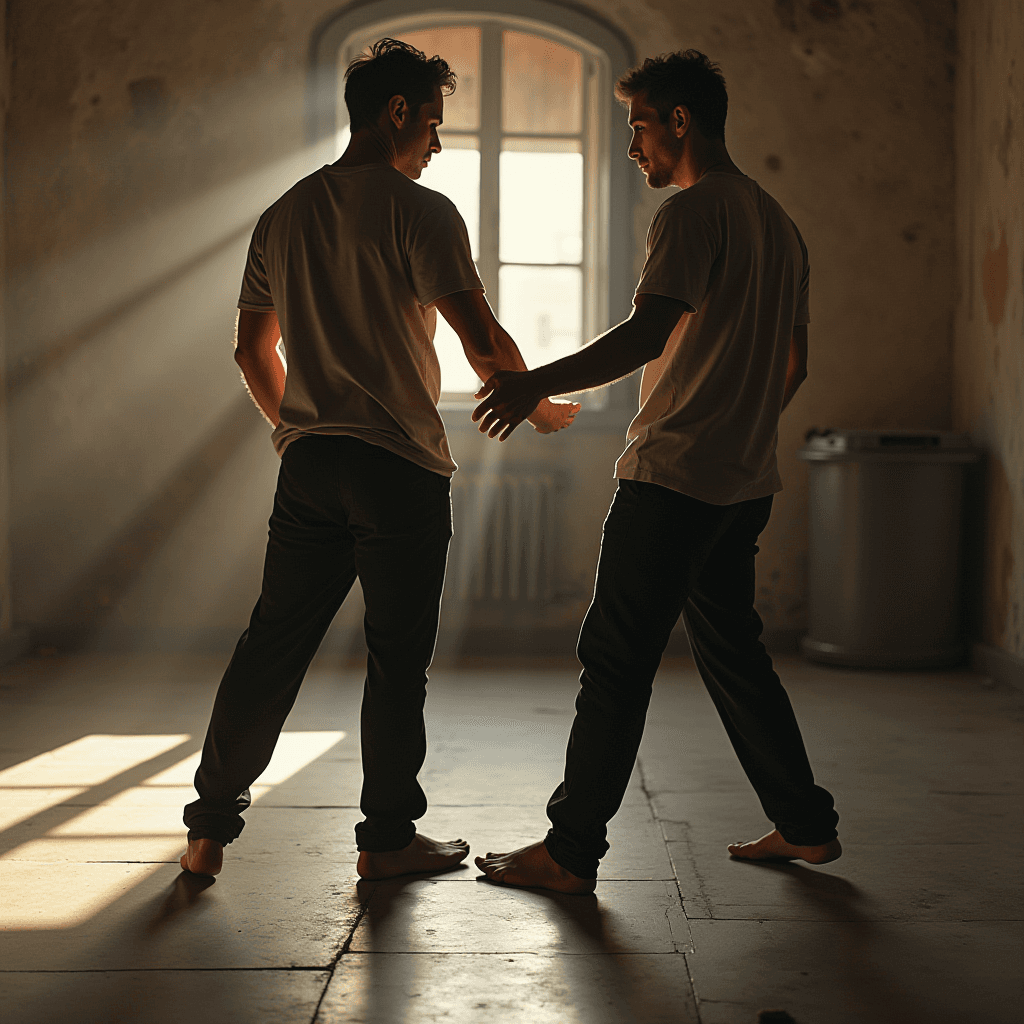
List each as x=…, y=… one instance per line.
x=352, y=259
x=710, y=404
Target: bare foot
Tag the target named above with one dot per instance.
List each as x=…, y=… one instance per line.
x=421, y=856
x=203, y=857
x=532, y=868
x=774, y=847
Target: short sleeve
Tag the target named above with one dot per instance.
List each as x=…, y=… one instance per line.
x=681, y=249
x=255, y=284
x=440, y=257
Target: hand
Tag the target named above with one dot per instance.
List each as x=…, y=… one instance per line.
x=509, y=397
x=553, y=414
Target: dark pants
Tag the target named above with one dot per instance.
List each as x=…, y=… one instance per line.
x=343, y=508
x=664, y=554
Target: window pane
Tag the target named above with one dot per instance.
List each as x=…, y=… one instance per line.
x=541, y=207
x=460, y=46
x=541, y=86
x=455, y=172
x=456, y=373
x=541, y=307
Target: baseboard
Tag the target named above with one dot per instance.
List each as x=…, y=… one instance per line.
x=1000, y=665
x=14, y=644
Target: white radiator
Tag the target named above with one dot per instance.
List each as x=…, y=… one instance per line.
x=504, y=546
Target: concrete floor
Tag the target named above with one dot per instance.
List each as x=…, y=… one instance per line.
x=920, y=921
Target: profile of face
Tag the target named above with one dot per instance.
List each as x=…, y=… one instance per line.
x=415, y=135
x=655, y=146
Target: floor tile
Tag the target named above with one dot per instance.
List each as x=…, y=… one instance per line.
x=262, y=911
x=876, y=883
x=519, y=988
x=866, y=815
x=857, y=972
x=437, y=916
x=160, y=997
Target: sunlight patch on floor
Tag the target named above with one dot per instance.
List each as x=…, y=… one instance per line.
x=85, y=863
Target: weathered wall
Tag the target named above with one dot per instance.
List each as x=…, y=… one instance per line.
x=145, y=139
x=6, y=611
x=989, y=366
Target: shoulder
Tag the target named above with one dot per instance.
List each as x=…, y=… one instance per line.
x=432, y=203
x=687, y=209
x=297, y=194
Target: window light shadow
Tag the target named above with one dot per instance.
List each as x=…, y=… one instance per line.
x=70, y=861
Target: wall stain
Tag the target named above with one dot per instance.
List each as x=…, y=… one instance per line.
x=785, y=11
x=995, y=276
x=1004, y=145
x=826, y=10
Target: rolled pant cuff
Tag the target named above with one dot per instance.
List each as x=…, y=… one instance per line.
x=371, y=840
x=221, y=828
x=816, y=835
x=205, y=833
x=581, y=867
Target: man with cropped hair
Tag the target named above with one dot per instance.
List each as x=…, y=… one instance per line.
x=720, y=326
x=348, y=269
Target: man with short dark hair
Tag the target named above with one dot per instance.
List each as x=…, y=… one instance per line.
x=720, y=325
x=347, y=268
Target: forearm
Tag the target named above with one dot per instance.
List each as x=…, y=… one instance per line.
x=499, y=353
x=263, y=376
x=613, y=355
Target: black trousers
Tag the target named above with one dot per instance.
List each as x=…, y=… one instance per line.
x=664, y=554
x=343, y=508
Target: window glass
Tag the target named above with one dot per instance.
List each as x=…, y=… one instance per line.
x=541, y=207
x=541, y=307
x=460, y=46
x=455, y=172
x=541, y=86
x=456, y=373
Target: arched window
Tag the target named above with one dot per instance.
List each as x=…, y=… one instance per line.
x=527, y=142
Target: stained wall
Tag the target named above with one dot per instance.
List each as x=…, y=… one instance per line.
x=6, y=610
x=144, y=140
x=989, y=365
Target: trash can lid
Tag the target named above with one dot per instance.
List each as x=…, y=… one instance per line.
x=887, y=445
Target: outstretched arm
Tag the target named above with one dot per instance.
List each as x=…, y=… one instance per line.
x=610, y=357
x=256, y=338
x=796, y=371
x=489, y=349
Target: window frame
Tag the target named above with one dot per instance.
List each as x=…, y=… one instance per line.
x=607, y=264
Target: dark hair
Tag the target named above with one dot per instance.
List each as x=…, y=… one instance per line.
x=686, y=78
x=393, y=68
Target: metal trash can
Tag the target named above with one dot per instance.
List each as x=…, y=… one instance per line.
x=884, y=558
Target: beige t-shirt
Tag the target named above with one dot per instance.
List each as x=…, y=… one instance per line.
x=710, y=404
x=351, y=259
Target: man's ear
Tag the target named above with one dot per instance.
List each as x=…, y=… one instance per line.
x=398, y=110
x=680, y=121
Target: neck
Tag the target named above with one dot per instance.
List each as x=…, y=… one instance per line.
x=371, y=145
x=701, y=157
